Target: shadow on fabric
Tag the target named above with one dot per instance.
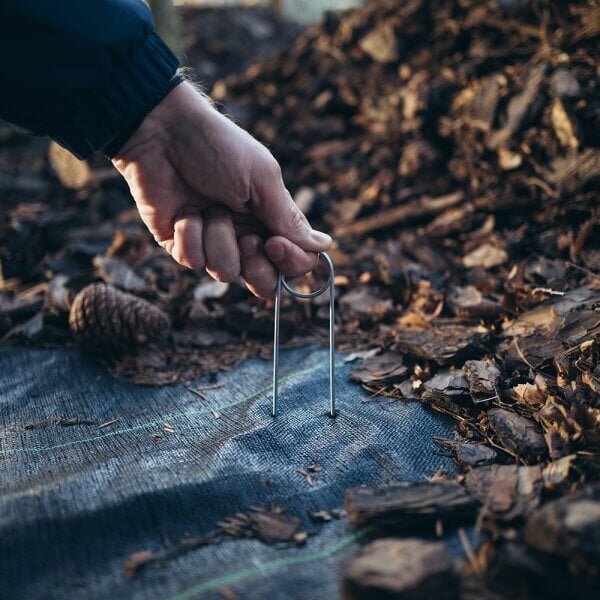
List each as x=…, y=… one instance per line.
x=76, y=501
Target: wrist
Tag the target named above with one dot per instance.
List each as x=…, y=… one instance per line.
x=121, y=141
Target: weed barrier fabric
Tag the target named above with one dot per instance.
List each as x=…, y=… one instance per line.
x=77, y=501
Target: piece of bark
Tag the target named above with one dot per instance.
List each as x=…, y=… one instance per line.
x=58, y=297
x=568, y=527
x=399, y=214
x=518, y=571
x=451, y=221
x=483, y=377
x=385, y=368
x=271, y=526
x=117, y=272
x=574, y=172
x=528, y=394
x=521, y=108
x=381, y=43
x=517, y=434
x=556, y=474
x=409, y=505
x=19, y=309
x=448, y=388
x=485, y=256
x=403, y=569
x=416, y=156
x=274, y=528
x=70, y=421
x=506, y=491
x=441, y=344
x=468, y=303
x=363, y=303
x=28, y=330
x=482, y=111
x=564, y=126
x=554, y=326
x=407, y=390
x=134, y=562
x=564, y=84
x=475, y=455
x=447, y=382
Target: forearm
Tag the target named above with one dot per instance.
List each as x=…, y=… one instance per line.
x=80, y=71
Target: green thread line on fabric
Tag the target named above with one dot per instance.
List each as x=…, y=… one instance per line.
x=160, y=421
x=273, y=565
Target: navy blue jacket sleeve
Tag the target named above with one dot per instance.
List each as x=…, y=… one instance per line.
x=80, y=71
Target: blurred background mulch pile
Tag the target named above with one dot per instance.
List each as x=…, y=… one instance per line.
x=451, y=147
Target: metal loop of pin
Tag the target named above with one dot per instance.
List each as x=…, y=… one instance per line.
x=329, y=284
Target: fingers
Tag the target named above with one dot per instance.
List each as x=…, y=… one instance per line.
x=257, y=270
x=288, y=258
x=188, y=248
x=274, y=206
x=220, y=245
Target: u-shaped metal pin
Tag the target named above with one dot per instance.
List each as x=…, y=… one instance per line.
x=329, y=284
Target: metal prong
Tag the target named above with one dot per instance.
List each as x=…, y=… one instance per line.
x=331, y=338
x=276, y=347
x=330, y=284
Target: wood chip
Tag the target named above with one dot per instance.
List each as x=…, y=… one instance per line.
x=409, y=505
x=506, y=491
x=519, y=435
x=404, y=569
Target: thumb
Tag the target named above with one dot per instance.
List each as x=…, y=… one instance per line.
x=274, y=206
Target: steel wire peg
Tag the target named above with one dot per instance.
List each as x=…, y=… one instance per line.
x=329, y=284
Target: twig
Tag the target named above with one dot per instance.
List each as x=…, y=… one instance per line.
x=36, y=424
x=523, y=356
x=469, y=550
x=206, y=388
x=586, y=271
x=543, y=290
x=108, y=423
x=63, y=422
x=199, y=391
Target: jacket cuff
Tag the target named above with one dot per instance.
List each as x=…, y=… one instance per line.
x=113, y=147
x=104, y=116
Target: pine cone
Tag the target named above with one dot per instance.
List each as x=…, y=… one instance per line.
x=105, y=318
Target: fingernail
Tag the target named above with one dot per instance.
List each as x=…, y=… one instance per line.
x=276, y=250
x=249, y=246
x=320, y=238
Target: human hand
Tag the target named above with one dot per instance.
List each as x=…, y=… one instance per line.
x=213, y=196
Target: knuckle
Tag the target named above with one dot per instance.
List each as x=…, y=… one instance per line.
x=296, y=221
x=271, y=167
